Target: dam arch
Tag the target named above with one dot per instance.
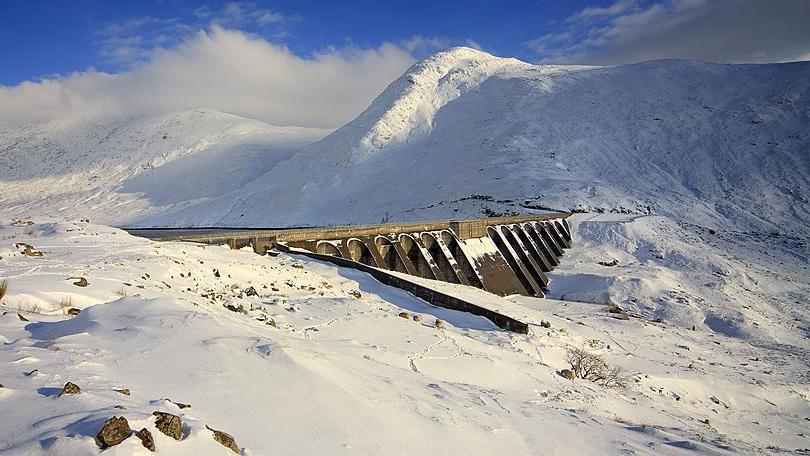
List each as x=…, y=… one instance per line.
x=361, y=253
x=440, y=257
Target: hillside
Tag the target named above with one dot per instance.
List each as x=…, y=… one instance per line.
x=118, y=171
x=719, y=145
x=460, y=134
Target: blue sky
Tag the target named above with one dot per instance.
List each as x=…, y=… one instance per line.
x=56, y=37
x=320, y=63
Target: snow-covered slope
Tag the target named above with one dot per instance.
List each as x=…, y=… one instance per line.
x=715, y=144
x=311, y=366
x=122, y=170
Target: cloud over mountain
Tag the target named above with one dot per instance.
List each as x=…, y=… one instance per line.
x=222, y=69
x=726, y=31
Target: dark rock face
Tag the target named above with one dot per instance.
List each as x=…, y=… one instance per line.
x=124, y=391
x=146, y=439
x=79, y=281
x=614, y=309
x=73, y=311
x=179, y=404
x=617, y=312
x=234, y=307
x=250, y=291
x=114, y=431
x=28, y=249
x=567, y=373
x=70, y=388
x=225, y=439
x=169, y=424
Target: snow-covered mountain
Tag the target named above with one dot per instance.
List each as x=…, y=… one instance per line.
x=714, y=143
x=121, y=170
x=462, y=133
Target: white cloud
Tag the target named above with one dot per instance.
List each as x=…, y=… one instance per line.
x=238, y=14
x=729, y=31
x=595, y=11
x=221, y=69
x=421, y=45
x=133, y=41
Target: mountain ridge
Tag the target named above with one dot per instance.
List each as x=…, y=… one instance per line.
x=463, y=134
x=671, y=136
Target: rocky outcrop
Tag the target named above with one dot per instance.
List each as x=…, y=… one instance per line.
x=146, y=439
x=114, y=431
x=70, y=388
x=225, y=439
x=169, y=424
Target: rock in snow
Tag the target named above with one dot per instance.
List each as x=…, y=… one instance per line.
x=146, y=439
x=225, y=439
x=70, y=388
x=169, y=424
x=114, y=431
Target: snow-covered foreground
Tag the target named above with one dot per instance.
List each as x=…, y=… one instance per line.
x=342, y=374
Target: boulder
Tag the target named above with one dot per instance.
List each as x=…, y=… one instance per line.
x=146, y=439
x=179, y=404
x=79, y=281
x=28, y=249
x=169, y=424
x=225, y=439
x=124, y=391
x=250, y=291
x=234, y=307
x=70, y=388
x=114, y=431
x=568, y=373
x=614, y=309
x=73, y=311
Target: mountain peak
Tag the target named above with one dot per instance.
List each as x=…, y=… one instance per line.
x=406, y=108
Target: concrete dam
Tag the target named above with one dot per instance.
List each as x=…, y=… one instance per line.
x=502, y=255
